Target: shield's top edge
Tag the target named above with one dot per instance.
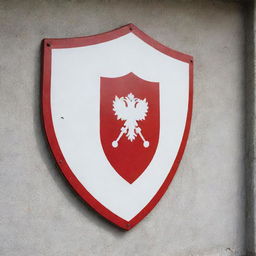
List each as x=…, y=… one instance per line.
x=57, y=43
x=87, y=40
x=131, y=74
x=160, y=47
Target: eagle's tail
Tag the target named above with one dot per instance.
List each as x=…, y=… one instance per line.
x=130, y=126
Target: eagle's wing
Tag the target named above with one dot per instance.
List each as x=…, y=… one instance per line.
x=119, y=108
x=141, y=110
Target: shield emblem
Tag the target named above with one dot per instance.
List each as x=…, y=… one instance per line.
x=117, y=110
x=129, y=123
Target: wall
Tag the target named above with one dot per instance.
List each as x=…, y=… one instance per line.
x=202, y=213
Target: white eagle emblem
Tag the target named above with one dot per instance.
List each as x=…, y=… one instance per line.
x=130, y=110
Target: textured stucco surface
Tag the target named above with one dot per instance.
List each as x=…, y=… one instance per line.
x=202, y=213
x=250, y=131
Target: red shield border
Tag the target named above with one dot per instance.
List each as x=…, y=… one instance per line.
x=47, y=46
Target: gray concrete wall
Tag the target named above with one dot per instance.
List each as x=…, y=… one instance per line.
x=202, y=213
x=250, y=133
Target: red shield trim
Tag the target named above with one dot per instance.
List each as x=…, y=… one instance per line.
x=119, y=151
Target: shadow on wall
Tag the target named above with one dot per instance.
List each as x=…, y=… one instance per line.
x=249, y=131
x=56, y=174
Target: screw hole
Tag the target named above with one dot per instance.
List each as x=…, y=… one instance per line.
x=48, y=44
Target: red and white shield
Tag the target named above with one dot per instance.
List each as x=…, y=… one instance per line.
x=129, y=123
x=117, y=110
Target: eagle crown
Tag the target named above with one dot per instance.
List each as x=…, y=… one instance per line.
x=131, y=101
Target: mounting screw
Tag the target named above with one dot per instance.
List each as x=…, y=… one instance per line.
x=48, y=45
x=60, y=161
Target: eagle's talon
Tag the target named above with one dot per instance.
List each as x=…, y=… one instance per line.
x=138, y=130
x=123, y=130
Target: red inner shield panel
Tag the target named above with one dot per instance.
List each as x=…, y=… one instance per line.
x=129, y=158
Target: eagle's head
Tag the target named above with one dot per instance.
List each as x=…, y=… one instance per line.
x=130, y=101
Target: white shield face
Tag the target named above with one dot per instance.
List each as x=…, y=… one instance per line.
x=71, y=108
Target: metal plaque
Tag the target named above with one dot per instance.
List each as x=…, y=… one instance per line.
x=117, y=109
